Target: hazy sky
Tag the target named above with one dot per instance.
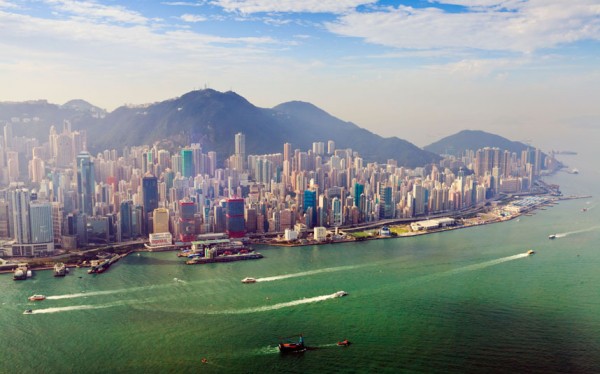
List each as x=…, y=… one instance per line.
x=419, y=70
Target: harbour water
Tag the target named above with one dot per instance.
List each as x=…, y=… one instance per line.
x=461, y=301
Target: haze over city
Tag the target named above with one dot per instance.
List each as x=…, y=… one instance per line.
x=508, y=67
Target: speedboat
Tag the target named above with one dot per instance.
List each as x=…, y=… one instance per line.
x=37, y=298
x=553, y=236
x=340, y=293
x=344, y=343
x=530, y=252
x=28, y=311
x=248, y=280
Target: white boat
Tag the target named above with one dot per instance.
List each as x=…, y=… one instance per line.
x=341, y=294
x=37, y=298
x=553, y=236
x=248, y=280
x=530, y=252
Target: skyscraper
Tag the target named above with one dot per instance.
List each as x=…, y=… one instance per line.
x=86, y=183
x=40, y=218
x=19, y=208
x=150, y=195
x=187, y=163
x=236, y=226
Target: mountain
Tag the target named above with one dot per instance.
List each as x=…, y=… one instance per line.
x=212, y=118
x=473, y=139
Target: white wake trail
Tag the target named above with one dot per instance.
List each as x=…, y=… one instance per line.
x=306, y=273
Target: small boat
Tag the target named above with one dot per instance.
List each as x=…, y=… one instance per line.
x=530, y=252
x=28, y=311
x=553, y=236
x=292, y=347
x=584, y=209
x=340, y=294
x=344, y=343
x=248, y=280
x=37, y=298
x=204, y=360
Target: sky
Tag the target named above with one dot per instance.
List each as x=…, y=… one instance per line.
x=418, y=70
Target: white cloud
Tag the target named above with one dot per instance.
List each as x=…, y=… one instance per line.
x=291, y=6
x=527, y=27
x=184, y=3
x=94, y=10
x=7, y=4
x=192, y=18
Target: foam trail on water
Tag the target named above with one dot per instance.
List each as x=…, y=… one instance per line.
x=110, y=292
x=71, y=308
x=278, y=306
x=486, y=264
x=305, y=273
x=564, y=234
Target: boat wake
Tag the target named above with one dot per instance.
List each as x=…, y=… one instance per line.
x=565, y=234
x=306, y=273
x=486, y=264
x=71, y=308
x=280, y=305
x=112, y=292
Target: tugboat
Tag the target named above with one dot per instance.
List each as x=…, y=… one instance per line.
x=248, y=280
x=293, y=347
x=344, y=343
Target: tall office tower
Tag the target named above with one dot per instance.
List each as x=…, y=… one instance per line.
x=330, y=147
x=150, y=198
x=63, y=150
x=236, y=226
x=57, y=222
x=318, y=148
x=336, y=212
x=418, y=194
x=187, y=233
x=358, y=190
x=4, y=219
x=19, y=209
x=176, y=163
x=12, y=163
x=287, y=152
x=126, y=219
x=36, y=170
x=40, y=218
x=197, y=158
x=212, y=163
x=310, y=206
x=160, y=219
x=164, y=159
x=187, y=163
x=8, y=135
x=240, y=144
x=86, y=184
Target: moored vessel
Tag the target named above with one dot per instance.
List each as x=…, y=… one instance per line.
x=60, y=269
x=20, y=272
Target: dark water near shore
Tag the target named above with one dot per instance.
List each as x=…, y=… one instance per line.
x=461, y=301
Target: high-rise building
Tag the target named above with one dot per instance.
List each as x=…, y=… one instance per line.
x=236, y=226
x=187, y=163
x=19, y=209
x=150, y=198
x=187, y=209
x=126, y=219
x=310, y=206
x=86, y=183
x=40, y=218
x=160, y=220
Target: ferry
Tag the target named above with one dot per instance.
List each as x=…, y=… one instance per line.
x=20, y=272
x=530, y=252
x=553, y=236
x=248, y=280
x=60, y=269
x=293, y=347
x=341, y=294
x=36, y=298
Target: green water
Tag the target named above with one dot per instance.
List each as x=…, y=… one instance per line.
x=460, y=301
